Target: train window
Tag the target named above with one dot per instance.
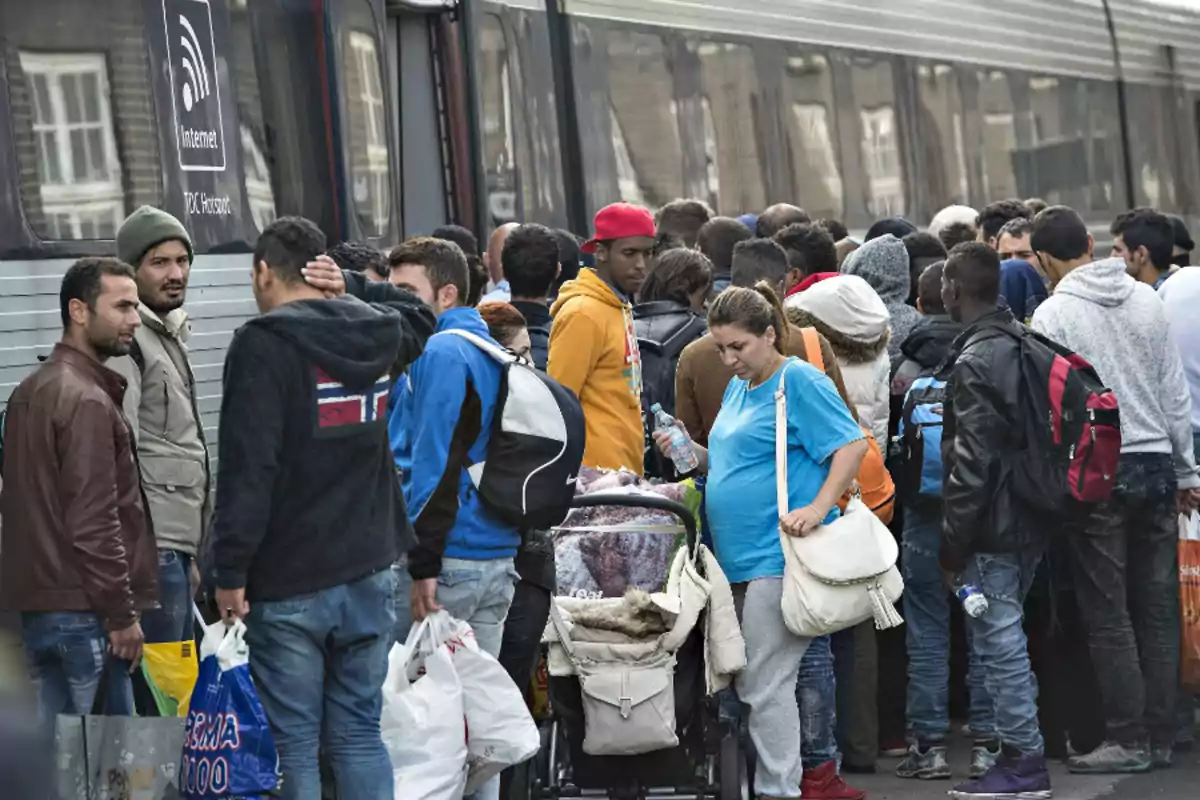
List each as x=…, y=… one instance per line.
x=499, y=140
x=730, y=88
x=83, y=123
x=370, y=174
x=812, y=131
x=252, y=127
x=941, y=138
x=539, y=158
x=869, y=106
x=1150, y=131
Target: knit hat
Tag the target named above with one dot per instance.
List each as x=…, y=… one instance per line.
x=847, y=304
x=883, y=263
x=949, y=216
x=146, y=228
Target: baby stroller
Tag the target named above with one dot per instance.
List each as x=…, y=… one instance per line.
x=709, y=760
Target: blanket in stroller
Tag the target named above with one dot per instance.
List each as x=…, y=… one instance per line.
x=604, y=551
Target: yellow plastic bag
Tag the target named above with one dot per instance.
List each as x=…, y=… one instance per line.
x=171, y=669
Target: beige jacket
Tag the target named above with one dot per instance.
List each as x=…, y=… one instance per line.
x=637, y=628
x=162, y=410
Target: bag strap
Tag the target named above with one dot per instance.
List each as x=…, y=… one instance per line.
x=781, y=477
x=812, y=348
x=497, y=353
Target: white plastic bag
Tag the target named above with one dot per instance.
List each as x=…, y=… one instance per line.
x=500, y=730
x=422, y=722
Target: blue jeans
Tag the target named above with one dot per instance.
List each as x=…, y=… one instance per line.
x=927, y=614
x=172, y=622
x=477, y=592
x=319, y=661
x=816, y=694
x=999, y=641
x=66, y=653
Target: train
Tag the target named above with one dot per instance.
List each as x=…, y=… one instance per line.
x=381, y=119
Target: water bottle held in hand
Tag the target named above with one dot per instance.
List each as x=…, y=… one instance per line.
x=973, y=601
x=679, y=447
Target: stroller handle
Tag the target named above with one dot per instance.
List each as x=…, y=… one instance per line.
x=642, y=501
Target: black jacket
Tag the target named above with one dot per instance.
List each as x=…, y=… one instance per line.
x=307, y=495
x=924, y=349
x=980, y=436
x=537, y=322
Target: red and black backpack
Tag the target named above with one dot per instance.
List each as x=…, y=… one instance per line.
x=1071, y=428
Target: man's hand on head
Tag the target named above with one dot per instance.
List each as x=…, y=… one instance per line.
x=323, y=273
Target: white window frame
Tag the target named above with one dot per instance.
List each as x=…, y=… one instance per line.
x=76, y=201
x=370, y=83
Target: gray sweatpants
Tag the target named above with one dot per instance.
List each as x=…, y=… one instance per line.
x=768, y=686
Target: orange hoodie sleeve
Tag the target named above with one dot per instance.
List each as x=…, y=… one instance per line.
x=576, y=343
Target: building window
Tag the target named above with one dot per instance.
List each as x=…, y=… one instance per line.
x=78, y=166
x=368, y=136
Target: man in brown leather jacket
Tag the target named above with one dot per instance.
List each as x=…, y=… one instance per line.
x=79, y=556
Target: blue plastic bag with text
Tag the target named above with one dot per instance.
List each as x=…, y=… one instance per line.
x=228, y=752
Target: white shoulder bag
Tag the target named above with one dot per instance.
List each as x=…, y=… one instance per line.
x=842, y=573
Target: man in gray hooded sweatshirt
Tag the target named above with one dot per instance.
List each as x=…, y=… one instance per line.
x=1124, y=557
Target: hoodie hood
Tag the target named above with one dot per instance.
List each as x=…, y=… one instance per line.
x=1104, y=283
x=931, y=340
x=588, y=284
x=847, y=304
x=355, y=343
x=883, y=263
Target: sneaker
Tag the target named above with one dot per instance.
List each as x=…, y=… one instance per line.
x=1161, y=756
x=1111, y=758
x=926, y=764
x=824, y=783
x=983, y=757
x=1012, y=778
x=897, y=748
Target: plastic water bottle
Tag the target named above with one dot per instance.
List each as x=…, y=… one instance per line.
x=973, y=601
x=679, y=447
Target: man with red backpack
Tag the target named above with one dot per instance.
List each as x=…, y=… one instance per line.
x=1124, y=555
x=990, y=539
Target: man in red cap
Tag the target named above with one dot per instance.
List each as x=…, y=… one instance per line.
x=593, y=347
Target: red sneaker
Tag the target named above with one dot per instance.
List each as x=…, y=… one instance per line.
x=824, y=783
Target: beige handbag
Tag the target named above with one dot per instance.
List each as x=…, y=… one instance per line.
x=842, y=573
x=628, y=702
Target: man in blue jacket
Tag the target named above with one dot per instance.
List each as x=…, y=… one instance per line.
x=463, y=560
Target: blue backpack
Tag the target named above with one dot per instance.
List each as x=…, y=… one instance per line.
x=920, y=439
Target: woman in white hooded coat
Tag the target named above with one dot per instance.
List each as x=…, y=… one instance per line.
x=854, y=319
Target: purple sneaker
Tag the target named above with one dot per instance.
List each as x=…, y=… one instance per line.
x=1012, y=778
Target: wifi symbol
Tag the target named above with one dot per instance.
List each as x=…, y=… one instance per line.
x=195, y=81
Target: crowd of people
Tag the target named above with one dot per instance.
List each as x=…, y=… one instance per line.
x=343, y=507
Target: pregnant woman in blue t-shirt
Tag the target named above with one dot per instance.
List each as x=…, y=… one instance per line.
x=825, y=447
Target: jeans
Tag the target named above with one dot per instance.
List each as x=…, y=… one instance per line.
x=927, y=614
x=172, y=622
x=477, y=592
x=768, y=686
x=856, y=679
x=521, y=644
x=66, y=653
x=816, y=694
x=319, y=661
x=1126, y=567
x=998, y=638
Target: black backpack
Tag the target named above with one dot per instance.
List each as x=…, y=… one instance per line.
x=659, y=360
x=536, y=446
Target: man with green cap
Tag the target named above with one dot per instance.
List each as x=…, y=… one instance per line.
x=161, y=406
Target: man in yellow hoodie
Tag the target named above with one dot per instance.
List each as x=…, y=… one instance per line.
x=593, y=347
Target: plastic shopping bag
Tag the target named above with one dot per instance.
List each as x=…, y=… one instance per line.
x=1189, y=595
x=228, y=751
x=170, y=670
x=500, y=730
x=422, y=720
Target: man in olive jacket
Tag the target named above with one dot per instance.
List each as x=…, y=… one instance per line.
x=161, y=406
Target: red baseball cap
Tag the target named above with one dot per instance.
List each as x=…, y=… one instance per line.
x=619, y=221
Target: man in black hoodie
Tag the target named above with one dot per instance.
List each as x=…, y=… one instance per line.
x=309, y=515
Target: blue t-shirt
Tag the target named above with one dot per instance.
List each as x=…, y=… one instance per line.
x=740, y=496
